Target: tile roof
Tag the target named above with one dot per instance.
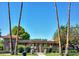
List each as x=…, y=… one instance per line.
x=8, y=37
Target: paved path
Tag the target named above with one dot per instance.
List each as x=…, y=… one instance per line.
x=40, y=54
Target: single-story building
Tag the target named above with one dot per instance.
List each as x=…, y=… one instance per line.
x=39, y=43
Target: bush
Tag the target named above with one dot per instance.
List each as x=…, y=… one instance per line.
x=55, y=51
x=72, y=51
x=28, y=49
x=21, y=49
x=1, y=46
x=21, y=46
x=73, y=54
x=49, y=50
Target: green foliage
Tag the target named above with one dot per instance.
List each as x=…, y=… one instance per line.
x=22, y=33
x=21, y=49
x=63, y=31
x=1, y=46
x=21, y=46
x=74, y=34
x=1, y=40
x=28, y=49
x=72, y=51
x=73, y=54
x=14, y=31
x=25, y=35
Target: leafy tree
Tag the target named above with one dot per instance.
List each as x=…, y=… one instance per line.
x=25, y=35
x=74, y=35
x=63, y=32
x=22, y=33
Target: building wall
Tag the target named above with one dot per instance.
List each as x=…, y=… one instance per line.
x=7, y=44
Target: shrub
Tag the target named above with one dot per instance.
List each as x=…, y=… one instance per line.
x=55, y=51
x=73, y=54
x=49, y=50
x=1, y=46
x=28, y=49
x=21, y=46
x=72, y=51
x=21, y=49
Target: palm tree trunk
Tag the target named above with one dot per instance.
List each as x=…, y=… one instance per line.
x=16, y=46
x=57, y=19
x=11, y=44
x=68, y=30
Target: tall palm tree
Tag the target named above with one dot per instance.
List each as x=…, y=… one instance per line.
x=57, y=19
x=11, y=44
x=68, y=30
x=16, y=46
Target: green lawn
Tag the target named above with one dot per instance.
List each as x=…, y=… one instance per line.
x=73, y=54
x=57, y=54
x=52, y=54
x=47, y=54
x=28, y=54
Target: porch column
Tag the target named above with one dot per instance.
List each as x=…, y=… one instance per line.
x=40, y=47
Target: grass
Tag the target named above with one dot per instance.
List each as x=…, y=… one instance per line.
x=28, y=54
x=73, y=54
x=47, y=54
x=57, y=54
x=52, y=54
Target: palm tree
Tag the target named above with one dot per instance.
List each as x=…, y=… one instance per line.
x=68, y=30
x=57, y=19
x=16, y=46
x=11, y=44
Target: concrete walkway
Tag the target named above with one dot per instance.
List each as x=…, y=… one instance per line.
x=40, y=54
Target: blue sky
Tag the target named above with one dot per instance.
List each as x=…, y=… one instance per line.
x=38, y=18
